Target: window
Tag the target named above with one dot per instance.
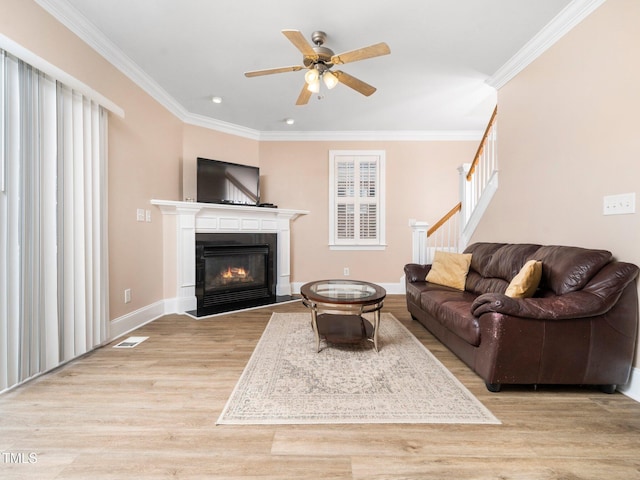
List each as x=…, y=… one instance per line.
x=356, y=199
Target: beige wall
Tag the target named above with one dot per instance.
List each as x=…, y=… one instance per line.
x=421, y=183
x=569, y=133
x=144, y=152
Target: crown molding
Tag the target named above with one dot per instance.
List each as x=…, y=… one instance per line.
x=69, y=16
x=371, y=136
x=336, y=136
x=220, y=126
x=323, y=136
x=559, y=26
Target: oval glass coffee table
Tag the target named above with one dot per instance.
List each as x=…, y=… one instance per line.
x=337, y=307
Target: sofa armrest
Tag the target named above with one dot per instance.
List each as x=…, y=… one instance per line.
x=596, y=298
x=415, y=272
x=572, y=305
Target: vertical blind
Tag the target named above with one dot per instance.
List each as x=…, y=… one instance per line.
x=53, y=243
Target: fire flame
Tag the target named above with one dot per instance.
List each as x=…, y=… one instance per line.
x=234, y=273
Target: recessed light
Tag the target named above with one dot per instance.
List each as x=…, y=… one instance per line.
x=289, y=121
x=216, y=99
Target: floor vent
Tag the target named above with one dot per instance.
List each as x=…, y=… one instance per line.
x=130, y=342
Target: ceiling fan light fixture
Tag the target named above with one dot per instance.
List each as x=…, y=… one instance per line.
x=330, y=80
x=311, y=76
x=318, y=60
x=314, y=86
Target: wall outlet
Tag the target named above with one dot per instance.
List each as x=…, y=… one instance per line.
x=346, y=271
x=127, y=295
x=140, y=214
x=619, y=204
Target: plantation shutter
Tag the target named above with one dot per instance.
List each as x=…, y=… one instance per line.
x=345, y=190
x=356, y=199
x=368, y=182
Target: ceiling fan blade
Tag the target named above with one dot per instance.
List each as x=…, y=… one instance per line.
x=270, y=71
x=296, y=37
x=352, y=82
x=304, y=96
x=361, y=54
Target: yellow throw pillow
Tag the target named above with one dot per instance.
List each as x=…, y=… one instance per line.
x=449, y=269
x=525, y=283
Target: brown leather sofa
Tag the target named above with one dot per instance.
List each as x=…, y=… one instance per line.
x=579, y=328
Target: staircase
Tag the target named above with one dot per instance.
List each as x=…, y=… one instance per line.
x=478, y=184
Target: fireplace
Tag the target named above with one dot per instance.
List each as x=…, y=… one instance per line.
x=234, y=271
x=182, y=221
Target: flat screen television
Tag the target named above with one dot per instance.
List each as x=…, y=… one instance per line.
x=225, y=182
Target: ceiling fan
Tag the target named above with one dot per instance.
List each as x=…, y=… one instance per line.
x=319, y=60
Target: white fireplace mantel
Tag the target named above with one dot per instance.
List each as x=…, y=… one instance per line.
x=192, y=218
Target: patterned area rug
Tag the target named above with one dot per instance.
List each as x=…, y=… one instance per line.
x=287, y=382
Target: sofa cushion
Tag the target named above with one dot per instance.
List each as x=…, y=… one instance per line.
x=449, y=269
x=526, y=282
x=567, y=269
x=493, y=265
x=457, y=317
x=507, y=261
x=482, y=253
x=478, y=284
x=433, y=296
x=450, y=307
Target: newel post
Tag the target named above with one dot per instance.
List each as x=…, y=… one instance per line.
x=466, y=194
x=419, y=241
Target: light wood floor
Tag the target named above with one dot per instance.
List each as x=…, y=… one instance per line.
x=150, y=412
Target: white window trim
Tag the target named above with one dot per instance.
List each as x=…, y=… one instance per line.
x=380, y=244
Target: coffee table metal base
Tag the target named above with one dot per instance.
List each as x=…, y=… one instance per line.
x=337, y=309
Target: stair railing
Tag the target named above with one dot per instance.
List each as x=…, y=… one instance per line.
x=481, y=170
x=445, y=233
x=478, y=184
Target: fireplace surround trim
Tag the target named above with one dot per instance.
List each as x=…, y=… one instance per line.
x=181, y=222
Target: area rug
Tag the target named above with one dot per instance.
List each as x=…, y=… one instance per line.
x=287, y=382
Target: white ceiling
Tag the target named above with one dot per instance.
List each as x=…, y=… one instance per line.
x=444, y=56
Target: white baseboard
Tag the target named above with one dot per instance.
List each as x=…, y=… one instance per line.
x=180, y=304
x=394, y=288
x=632, y=389
x=122, y=325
